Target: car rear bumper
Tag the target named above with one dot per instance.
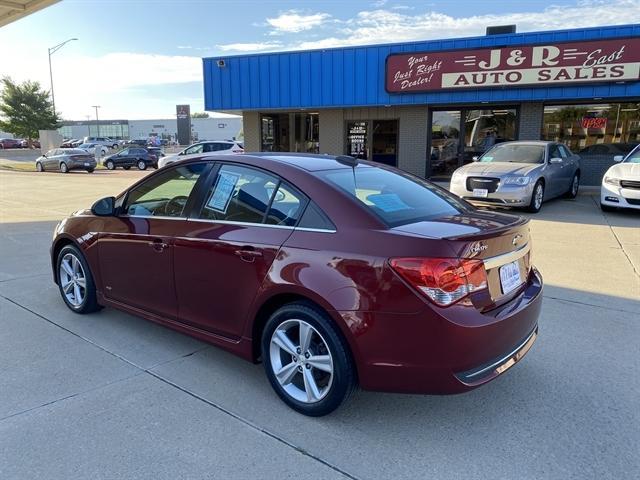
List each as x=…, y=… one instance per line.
x=613, y=196
x=444, y=350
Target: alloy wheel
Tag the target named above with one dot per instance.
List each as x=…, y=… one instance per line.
x=539, y=194
x=301, y=361
x=73, y=279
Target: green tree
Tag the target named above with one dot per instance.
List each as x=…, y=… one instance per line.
x=25, y=108
x=200, y=115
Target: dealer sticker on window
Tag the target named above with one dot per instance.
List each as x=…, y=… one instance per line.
x=223, y=191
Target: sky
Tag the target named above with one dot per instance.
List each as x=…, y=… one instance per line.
x=137, y=59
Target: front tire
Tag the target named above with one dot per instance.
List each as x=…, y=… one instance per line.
x=75, y=281
x=607, y=208
x=39, y=167
x=110, y=165
x=142, y=165
x=64, y=168
x=537, y=197
x=306, y=360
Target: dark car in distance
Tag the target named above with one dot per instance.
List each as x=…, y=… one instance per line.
x=332, y=272
x=10, y=143
x=131, y=157
x=66, y=159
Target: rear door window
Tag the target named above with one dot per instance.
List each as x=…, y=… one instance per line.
x=286, y=207
x=396, y=198
x=239, y=194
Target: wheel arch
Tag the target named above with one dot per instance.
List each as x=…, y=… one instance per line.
x=273, y=303
x=57, y=246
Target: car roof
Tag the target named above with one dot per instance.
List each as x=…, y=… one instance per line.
x=528, y=142
x=309, y=162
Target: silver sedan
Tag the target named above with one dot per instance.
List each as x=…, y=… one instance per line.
x=519, y=174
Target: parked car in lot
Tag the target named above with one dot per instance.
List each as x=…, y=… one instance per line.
x=519, y=174
x=140, y=142
x=65, y=160
x=104, y=141
x=70, y=143
x=131, y=157
x=621, y=183
x=91, y=148
x=331, y=271
x=218, y=147
x=611, y=149
x=10, y=143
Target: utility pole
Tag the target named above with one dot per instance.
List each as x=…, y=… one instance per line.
x=51, y=51
x=97, y=120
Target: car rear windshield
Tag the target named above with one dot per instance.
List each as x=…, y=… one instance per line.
x=74, y=151
x=396, y=198
x=516, y=153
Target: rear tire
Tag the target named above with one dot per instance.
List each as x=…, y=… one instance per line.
x=75, y=281
x=575, y=185
x=308, y=389
x=537, y=197
x=39, y=167
x=64, y=168
x=110, y=165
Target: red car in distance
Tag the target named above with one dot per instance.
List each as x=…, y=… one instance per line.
x=333, y=272
x=10, y=143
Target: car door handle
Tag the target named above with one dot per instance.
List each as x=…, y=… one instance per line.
x=248, y=255
x=158, y=245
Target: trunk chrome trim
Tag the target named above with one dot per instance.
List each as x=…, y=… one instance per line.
x=499, y=260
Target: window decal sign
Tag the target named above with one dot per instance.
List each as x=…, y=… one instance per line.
x=594, y=122
x=223, y=191
x=615, y=60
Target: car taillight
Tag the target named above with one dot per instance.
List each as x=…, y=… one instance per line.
x=444, y=281
x=237, y=150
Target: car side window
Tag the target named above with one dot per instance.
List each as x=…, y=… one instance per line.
x=314, y=218
x=554, y=152
x=125, y=152
x=164, y=195
x=286, y=207
x=566, y=153
x=239, y=194
x=194, y=149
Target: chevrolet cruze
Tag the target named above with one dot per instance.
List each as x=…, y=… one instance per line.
x=333, y=272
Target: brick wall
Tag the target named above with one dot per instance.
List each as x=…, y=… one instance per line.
x=251, y=128
x=531, y=121
x=412, y=132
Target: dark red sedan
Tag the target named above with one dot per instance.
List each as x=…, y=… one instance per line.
x=331, y=271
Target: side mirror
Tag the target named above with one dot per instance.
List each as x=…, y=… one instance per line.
x=618, y=158
x=45, y=155
x=475, y=158
x=555, y=160
x=105, y=207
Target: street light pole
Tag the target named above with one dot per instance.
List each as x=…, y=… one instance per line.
x=51, y=51
x=97, y=120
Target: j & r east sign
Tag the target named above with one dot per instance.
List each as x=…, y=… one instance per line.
x=539, y=65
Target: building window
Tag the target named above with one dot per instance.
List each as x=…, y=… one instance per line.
x=275, y=133
x=595, y=129
x=306, y=133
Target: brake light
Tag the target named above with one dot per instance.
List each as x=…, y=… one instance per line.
x=444, y=281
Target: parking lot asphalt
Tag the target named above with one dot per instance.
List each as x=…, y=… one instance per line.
x=109, y=395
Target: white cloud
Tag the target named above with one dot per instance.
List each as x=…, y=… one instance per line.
x=379, y=3
x=388, y=26
x=249, y=47
x=293, y=21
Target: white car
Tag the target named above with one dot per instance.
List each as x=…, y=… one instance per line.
x=220, y=147
x=91, y=148
x=621, y=184
x=105, y=141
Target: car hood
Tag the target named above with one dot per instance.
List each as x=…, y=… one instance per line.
x=478, y=222
x=499, y=168
x=625, y=171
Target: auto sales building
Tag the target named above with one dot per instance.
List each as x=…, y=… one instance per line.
x=429, y=107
